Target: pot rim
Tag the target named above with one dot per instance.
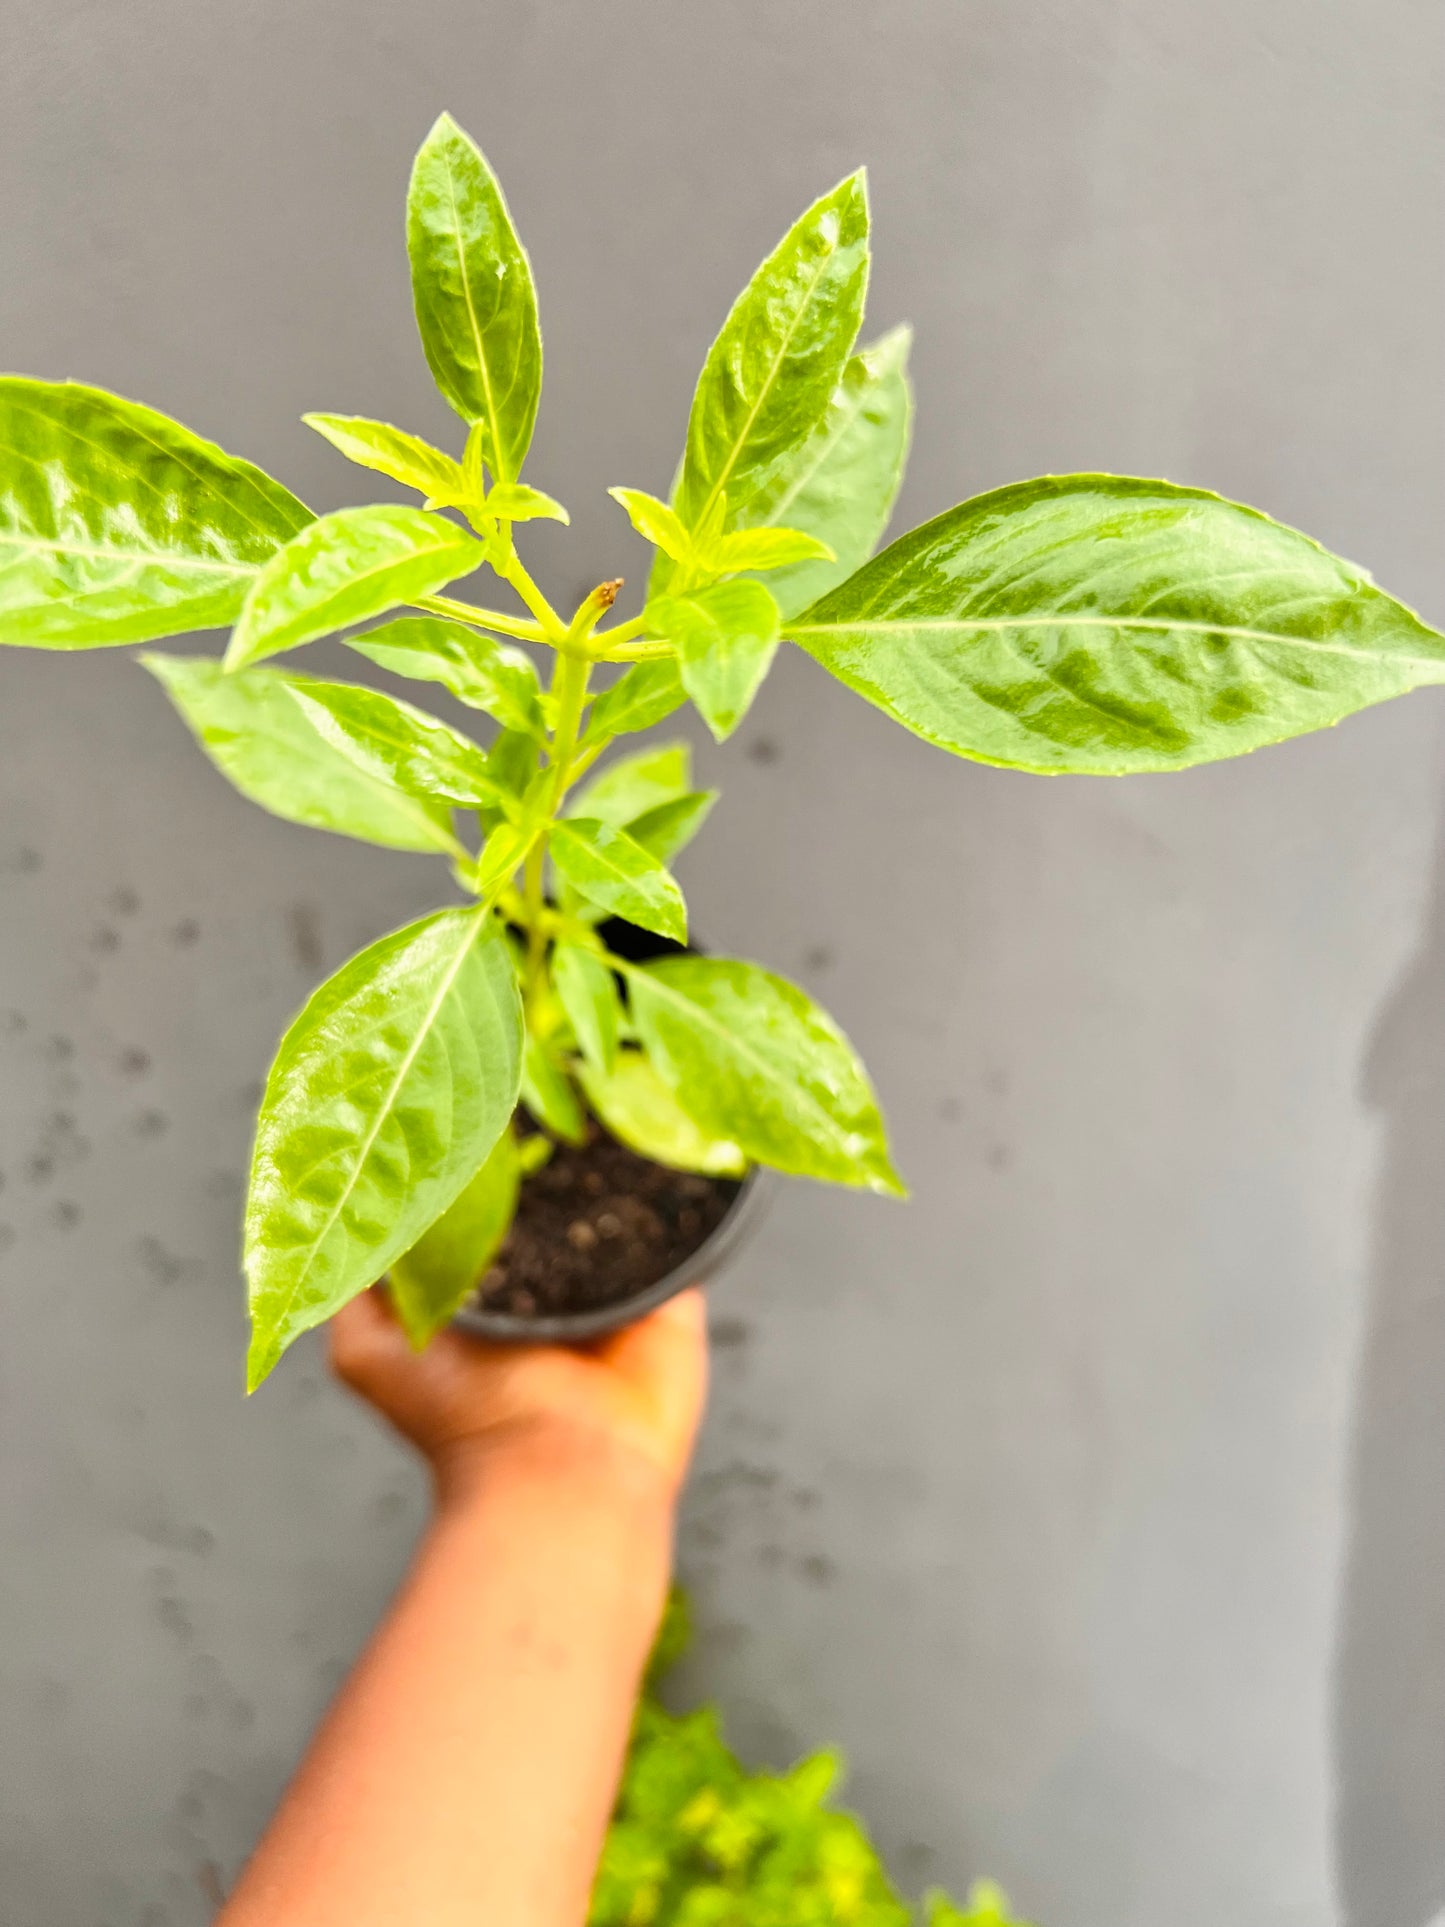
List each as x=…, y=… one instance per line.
x=717, y=1249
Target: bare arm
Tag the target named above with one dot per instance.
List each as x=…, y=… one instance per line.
x=467, y=1768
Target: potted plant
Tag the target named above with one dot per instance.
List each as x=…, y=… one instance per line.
x=550, y=1036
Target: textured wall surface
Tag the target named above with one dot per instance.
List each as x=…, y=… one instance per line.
x=1093, y=1501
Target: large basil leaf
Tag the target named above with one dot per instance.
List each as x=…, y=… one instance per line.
x=639, y=1109
x=118, y=525
x=755, y=1061
x=478, y=671
x=392, y=451
x=387, y=1093
x=842, y=481
x=604, y=865
x=431, y=1282
x=476, y=306
x=1105, y=624
x=397, y=743
x=647, y=693
x=631, y=785
x=266, y=743
x=769, y=374
x=726, y=637
x=344, y=568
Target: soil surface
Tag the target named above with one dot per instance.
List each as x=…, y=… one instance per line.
x=597, y=1225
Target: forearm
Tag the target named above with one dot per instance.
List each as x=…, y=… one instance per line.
x=468, y=1766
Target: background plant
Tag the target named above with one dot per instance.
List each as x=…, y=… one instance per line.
x=699, y=1841
x=1086, y=623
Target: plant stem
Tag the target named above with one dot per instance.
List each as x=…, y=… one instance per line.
x=569, y=690
x=633, y=651
x=554, y=630
x=477, y=618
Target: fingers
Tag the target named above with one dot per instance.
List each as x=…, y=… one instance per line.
x=664, y=1360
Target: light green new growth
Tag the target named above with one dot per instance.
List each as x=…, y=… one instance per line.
x=1087, y=623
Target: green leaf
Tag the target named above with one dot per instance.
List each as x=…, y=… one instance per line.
x=548, y=1093
x=726, y=637
x=515, y=502
x=587, y=991
x=639, y=1110
x=258, y=736
x=431, y=1282
x=633, y=784
x=512, y=762
x=842, y=481
x=1104, y=624
x=655, y=522
x=669, y=827
x=649, y=692
x=387, y=1093
x=345, y=568
x=753, y=1059
x=604, y=865
x=776, y=548
x=400, y=744
x=392, y=451
x=476, y=306
x=772, y=369
x=478, y=671
x=117, y=525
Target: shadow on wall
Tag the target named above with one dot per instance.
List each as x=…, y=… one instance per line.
x=1389, y=1704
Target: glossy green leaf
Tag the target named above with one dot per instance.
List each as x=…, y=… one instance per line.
x=502, y=855
x=392, y=451
x=761, y=548
x=431, y=1282
x=587, y=991
x=646, y=694
x=512, y=762
x=258, y=736
x=1105, y=624
x=345, y=568
x=515, y=502
x=397, y=743
x=549, y=1094
x=478, y=671
x=841, y=482
x=726, y=637
x=604, y=865
x=753, y=1059
x=632, y=784
x=117, y=525
x=769, y=375
x=387, y=1093
x=640, y=1110
x=669, y=827
x=476, y=306
x=655, y=522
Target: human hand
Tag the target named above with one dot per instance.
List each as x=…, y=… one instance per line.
x=630, y=1403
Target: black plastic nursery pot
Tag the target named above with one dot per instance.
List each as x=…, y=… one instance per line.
x=699, y=1265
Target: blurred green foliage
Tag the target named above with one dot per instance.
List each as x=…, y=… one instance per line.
x=698, y=1841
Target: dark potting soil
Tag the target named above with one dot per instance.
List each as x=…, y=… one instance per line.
x=596, y=1225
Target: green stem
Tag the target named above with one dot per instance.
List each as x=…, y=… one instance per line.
x=569, y=692
x=468, y=612
x=633, y=651
x=554, y=630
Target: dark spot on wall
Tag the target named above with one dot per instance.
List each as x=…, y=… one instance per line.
x=14, y=1023
x=40, y=1168
x=24, y=861
x=818, y=1569
x=819, y=957
x=804, y=1498
x=223, y=1184
x=303, y=923
x=764, y=750
x=1000, y=1157
x=250, y=1095
x=150, y=1124
x=124, y=901
x=950, y=1110
x=770, y=1556
x=162, y=1267
x=57, y=1049
x=7, y=1236
x=387, y=1506
x=134, y=1062
x=105, y=940
x=65, y=1214
x=185, y=933
x=171, y=1612
x=728, y=1334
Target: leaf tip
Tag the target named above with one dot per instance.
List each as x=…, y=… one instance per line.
x=261, y=1360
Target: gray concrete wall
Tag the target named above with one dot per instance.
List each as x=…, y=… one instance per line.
x=1094, y=1500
